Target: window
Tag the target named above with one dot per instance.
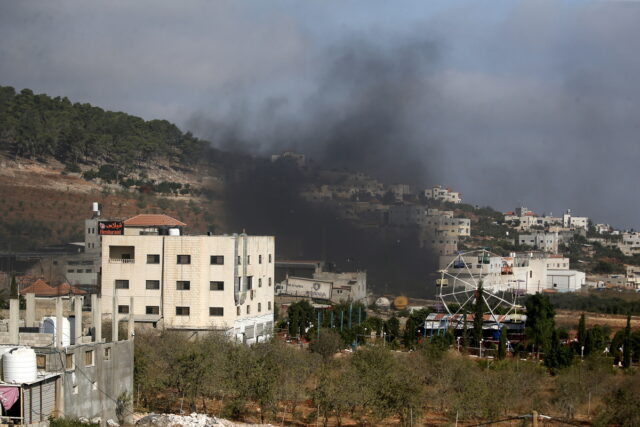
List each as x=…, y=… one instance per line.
x=122, y=284
x=269, y=281
x=238, y=311
x=260, y=282
x=269, y=258
x=71, y=271
x=182, y=311
x=530, y=274
x=248, y=259
x=216, y=311
x=41, y=362
x=89, y=358
x=152, y=309
x=88, y=230
x=216, y=286
x=259, y=307
x=259, y=259
x=239, y=260
x=269, y=305
x=249, y=282
x=153, y=259
x=70, y=362
x=153, y=284
x=107, y=353
x=248, y=309
x=217, y=260
x=184, y=259
x=183, y=285
x=123, y=309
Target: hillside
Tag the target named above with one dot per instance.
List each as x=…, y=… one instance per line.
x=40, y=127
x=56, y=157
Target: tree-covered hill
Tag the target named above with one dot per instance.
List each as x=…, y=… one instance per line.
x=39, y=126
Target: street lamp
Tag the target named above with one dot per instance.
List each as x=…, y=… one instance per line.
x=458, y=339
x=582, y=353
x=481, y=341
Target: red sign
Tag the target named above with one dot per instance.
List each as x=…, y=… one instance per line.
x=110, y=228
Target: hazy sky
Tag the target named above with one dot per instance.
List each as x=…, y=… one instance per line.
x=534, y=102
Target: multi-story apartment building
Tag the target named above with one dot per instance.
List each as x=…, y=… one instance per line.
x=442, y=194
x=547, y=242
x=630, y=243
x=575, y=222
x=207, y=282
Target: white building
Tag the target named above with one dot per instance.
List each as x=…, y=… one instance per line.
x=603, y=228
x=529, y=272
x=442, y=194
x=575, y=222
x=190, y=282
x=630, y=244
x=540, y=240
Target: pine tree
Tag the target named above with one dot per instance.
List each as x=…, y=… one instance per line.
x=626, y=351
x=502, y=344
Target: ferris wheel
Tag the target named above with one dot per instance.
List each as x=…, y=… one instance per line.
x=460, y=279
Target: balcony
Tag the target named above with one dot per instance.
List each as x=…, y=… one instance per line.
x=121, y=261
x=122, y=255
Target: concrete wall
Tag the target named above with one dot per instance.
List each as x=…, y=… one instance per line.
x=92, y=391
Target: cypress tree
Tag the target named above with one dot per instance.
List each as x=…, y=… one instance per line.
x=582, y=331
x=478, y=313
x=626, y=351
x=465, y=333
x=502, y=344
x=14, y=287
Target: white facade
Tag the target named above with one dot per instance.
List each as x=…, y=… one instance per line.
x=443, y=194
x=528, y=273
x=575, y=222
x=192, y=282
x=565, y=280
x=630, y=244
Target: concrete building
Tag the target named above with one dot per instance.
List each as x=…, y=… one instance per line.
x=603, y=228
x=575, y=222
x=442, y=194
x=183, y=282
x=524, y=219
x=630, y=243
x=632, y=276
x=539, y=240
x=399, y=191
x=307, y=279
x=526, y=273
x=78, y=373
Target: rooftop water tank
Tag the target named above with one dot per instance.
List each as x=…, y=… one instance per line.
x=174, y=232
x=48, y=326
x=19, y=365
x=4, y=349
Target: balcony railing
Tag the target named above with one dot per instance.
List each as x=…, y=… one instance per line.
x=121, y=261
